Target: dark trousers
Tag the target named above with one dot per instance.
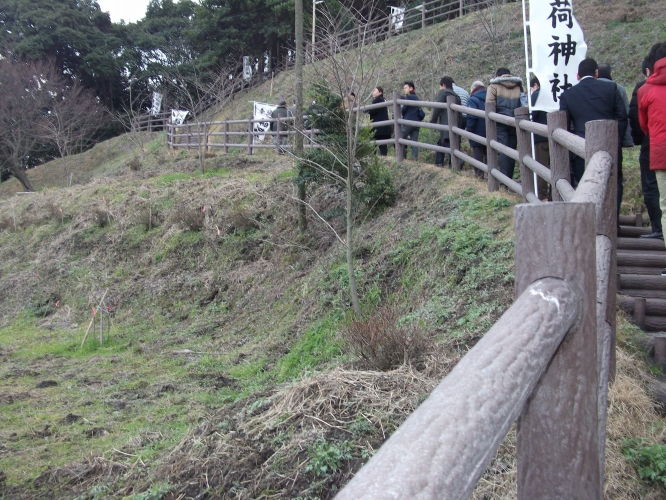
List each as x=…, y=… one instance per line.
x=439, y=157
x=411, y=133
x=650, y=188
x=507, y=136
x=383, y=149
x=479, y=153
x=542, y=153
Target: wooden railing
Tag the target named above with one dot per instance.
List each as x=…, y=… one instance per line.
x=151, y=123
x=548, y=360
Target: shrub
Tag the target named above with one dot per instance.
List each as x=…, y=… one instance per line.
x=101, y=217
x=385, y=344
x=649, y=460
x=149, y=219
x=327, y=457
x=241, y=220
x=192, y=219
x=134, y=164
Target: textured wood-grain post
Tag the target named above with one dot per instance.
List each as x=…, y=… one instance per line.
x=524, y=149
x=226, y=135
x=454, y=139
x=491, y=135
x=602, y=135
x=558, y=442
x=640, y=305
x=639, y=220
x=397, y=129
x=423, y=12
x=189, y=136
x=461, y=8
x=559, y=155
x=250, y=136
x=206, y=148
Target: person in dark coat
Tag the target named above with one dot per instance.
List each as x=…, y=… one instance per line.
x=380, y=115
x=591, y=99
x=648, y=177
x=476, y=125
x=441, y=116
x=541, y=148
x=411, y=132
x=279, y=139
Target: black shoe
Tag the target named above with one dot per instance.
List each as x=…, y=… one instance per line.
x=655, y=236
x=663, y=273
x=439, y=165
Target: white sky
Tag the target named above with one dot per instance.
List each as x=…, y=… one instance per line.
x=128, y=10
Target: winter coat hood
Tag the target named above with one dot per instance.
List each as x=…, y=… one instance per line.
x=659, y=75
x=508, y=81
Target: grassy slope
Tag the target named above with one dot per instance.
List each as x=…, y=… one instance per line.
x=211, y=330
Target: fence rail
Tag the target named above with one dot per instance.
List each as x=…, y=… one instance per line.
x=548, y=360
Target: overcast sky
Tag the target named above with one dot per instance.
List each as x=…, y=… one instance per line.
x=128, y=10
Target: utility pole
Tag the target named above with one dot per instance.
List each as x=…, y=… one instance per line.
x=314, y=20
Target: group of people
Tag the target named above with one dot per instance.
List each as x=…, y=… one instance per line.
x=641, y=122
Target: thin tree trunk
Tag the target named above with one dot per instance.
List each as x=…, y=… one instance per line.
x=20, y=174
x=298, y=119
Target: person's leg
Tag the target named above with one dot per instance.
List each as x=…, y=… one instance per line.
x=405, y=134
x=415, y=137
x=479, y=154
x=650, y=189
x=543, y=157
x=661, y=182
x=577, y=170
x=506, y=164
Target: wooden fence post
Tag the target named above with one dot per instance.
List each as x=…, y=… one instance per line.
x=524, y=149
x=558, y=430
x=423, y=13
x=454, y=139
x=250, y=136
x=206, y=137
x=189, y=136
x=491, y=155
x=226, y=135
x=397, y=129
x=559, y=155
x=461, y=8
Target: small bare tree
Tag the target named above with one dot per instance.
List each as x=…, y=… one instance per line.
x=201, y=94
x=346, y=156
x=489, y=14
x=129, y=114
x=25, y=91
x=73, y=117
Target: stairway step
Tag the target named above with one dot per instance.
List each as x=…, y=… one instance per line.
x=648, y=294
x=633, y=231
x=640, y=244
x=653, y=307
x=641, y=258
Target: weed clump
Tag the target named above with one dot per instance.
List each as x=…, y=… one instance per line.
x=192, y=219
x=383, y=343
x=241, y=221
x=134, y=164
x=101, y=217
x=649, y=460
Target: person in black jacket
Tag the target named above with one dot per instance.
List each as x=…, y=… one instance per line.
x=541, y=148
x=648, y=177
x=411, y=113
x=589, y=100
x=380, y=115
x=476, y=125
x=441, y=116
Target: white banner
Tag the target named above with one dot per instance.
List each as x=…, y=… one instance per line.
x=157, y=104
x=247, y=69
x=178, y=117
x=262, y=111
x=558, y=46
x=397, y=17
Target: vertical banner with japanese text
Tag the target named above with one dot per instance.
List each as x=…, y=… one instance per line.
x=247, y=68
x=262, y=111
x=397, y=18
x=157, y=104
x=558, y=46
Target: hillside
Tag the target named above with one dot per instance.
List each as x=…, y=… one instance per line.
x=229, y=370
x=618, y=32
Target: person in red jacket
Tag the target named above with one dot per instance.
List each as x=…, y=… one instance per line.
x=652, y=117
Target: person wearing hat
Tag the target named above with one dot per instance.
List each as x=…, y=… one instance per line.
x=279, y=113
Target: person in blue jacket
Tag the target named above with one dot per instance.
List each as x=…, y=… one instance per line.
x=476, y=125
x=411, y=113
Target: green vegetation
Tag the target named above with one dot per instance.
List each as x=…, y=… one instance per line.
x=649, y=459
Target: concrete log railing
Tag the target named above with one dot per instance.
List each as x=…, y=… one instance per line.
x=546, y=364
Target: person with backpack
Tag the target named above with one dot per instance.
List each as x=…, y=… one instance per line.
x=506, y=92
x=441, y=116
x=412, y=113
